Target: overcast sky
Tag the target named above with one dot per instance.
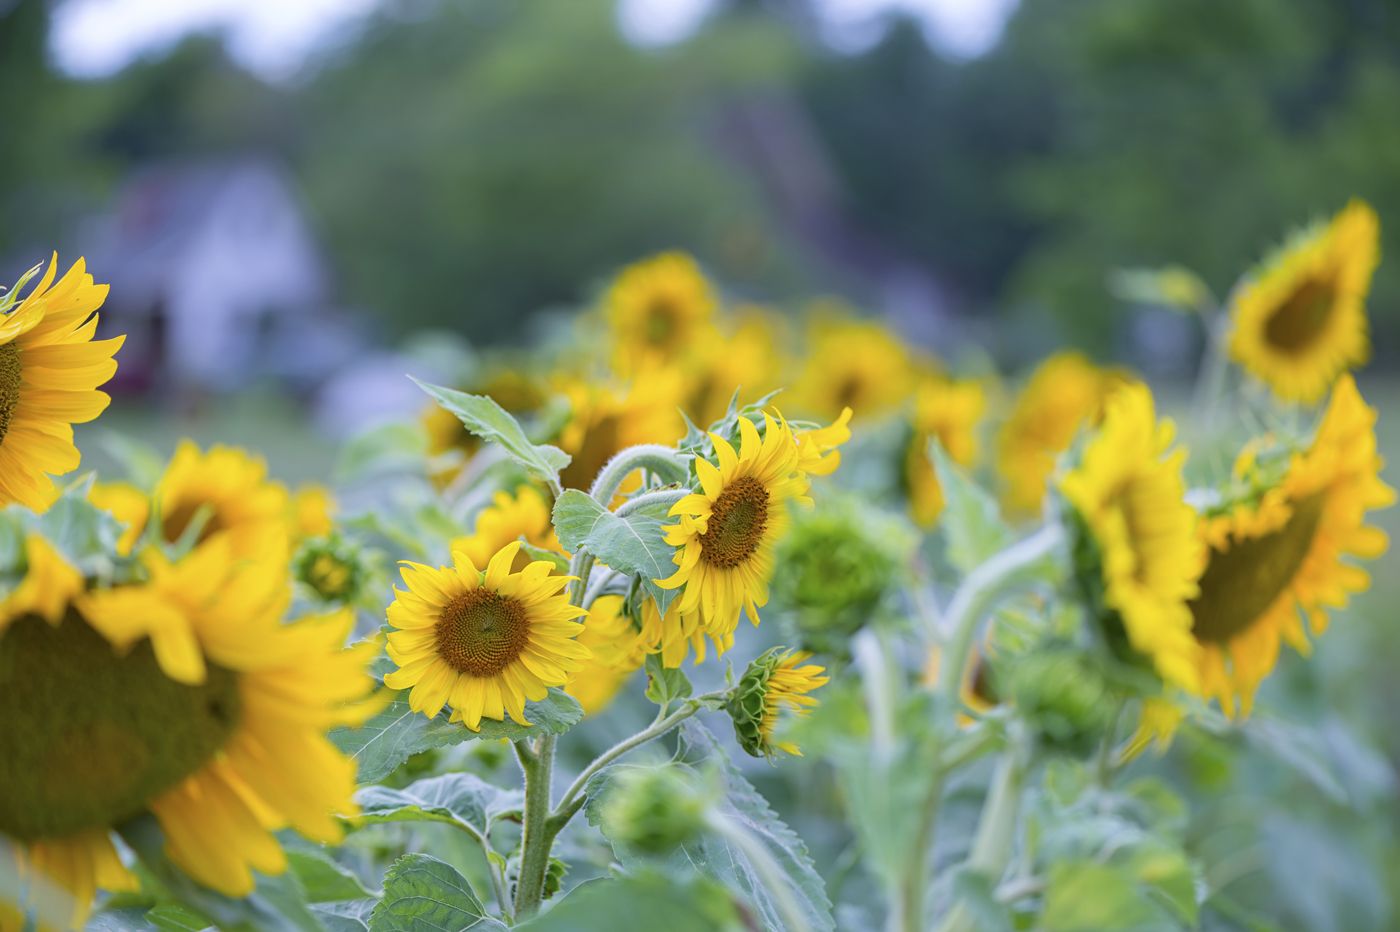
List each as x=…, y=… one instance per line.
x=273, y=37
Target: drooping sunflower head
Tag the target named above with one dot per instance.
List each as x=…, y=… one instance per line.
x=1136, y=543
x=482, y=642
x=605, y=419
x=186, y=697
x=1299, y=321
x=617, y=649
x=852, y=363
x=1279, y=549
x=773, y=687
x=50, y=370
x=224, y=493
x=1064, y=394
x=510, y=516
x=726, y=532
x=950, y=412
x=656, y=309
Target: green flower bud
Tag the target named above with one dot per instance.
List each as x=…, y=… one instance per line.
x=654, y=810
x=332, y=568
x=838, y=566
x=1063, y=693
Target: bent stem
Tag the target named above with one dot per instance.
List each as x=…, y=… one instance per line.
x=979, y=593
x=653, y=457
x=996, y=829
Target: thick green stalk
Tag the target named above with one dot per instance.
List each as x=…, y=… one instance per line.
x=536, y=842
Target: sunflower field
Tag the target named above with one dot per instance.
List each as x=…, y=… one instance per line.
x=704, y=615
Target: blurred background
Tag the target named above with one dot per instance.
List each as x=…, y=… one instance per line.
x=282, y=194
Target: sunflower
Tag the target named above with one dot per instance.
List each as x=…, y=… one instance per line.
x=746, y=358
x=1300, y=321
x=617, y=652
x=726, y=531
x=1129, y=498
x=1279, y=554
x=128, y=504
x=187, y=697
x=852, y=363
x=228, y=490
x=774, y=684
x=510, y=517
x=657, y=309
x=482, y=643
x=605, y=419
x=50, y=369
x=677, y=633
x=1065, y=393
x=312, y=512
x=819, y=449
x=950, y=412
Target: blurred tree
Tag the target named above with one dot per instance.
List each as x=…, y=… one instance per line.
x=478, y=162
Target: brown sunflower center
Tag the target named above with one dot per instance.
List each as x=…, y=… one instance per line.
x=92, y=736
x=1299, y=320
x=600, y=444
x=737, y=522
x=1241, y=583
x=660, y=324
x=480, y=632
x=9, y=385
x=178, y=520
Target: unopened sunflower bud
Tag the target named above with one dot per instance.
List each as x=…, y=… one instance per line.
x=1062, y=692
x=331, y=567
x=654, y=810
x=776, y=682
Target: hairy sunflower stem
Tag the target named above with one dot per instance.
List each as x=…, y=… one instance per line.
x=536, y=842
x=574, y=796
x=666, y=497
x=979, y=593
x=661, y=460
x=1215, y=367
x=767, y=868
x=996, y=828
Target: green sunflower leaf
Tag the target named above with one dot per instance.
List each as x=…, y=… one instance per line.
x=721, y=859
x=634, y=545
x=349, y=916
x=324, y=879
x=665, y=686
x=642, y=900
x=972, y=524
x=492, y=423
x=383, y=743
x=423, y=894
x=460, y=799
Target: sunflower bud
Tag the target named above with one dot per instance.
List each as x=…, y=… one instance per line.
x=1063, y=693
x=654, y=810
x=837, y=568
x=774, y=682
x=332, y=568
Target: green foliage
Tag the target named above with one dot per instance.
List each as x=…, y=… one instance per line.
x=383, y=743
x=653, y=810
x=460, y=799
x=973, y=528
x=634, y=544
x=688, y=904
x=719, y=858
x=492, y=423
x=423, y=894
x=665, y=686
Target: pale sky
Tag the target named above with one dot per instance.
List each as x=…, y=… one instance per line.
x=93, y=38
